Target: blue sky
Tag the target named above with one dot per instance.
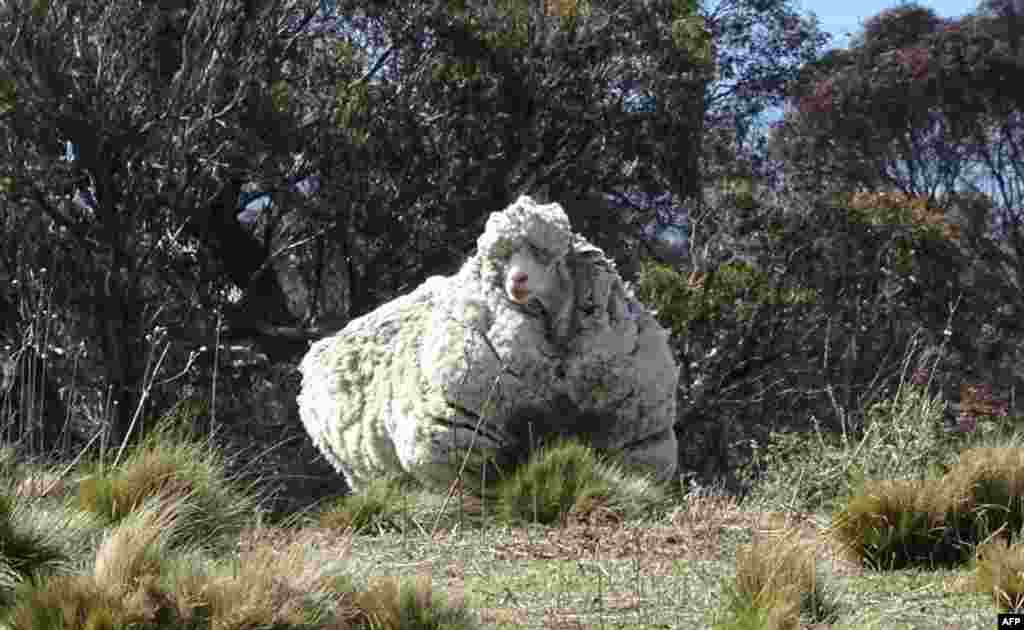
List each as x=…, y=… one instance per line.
x=843, y=18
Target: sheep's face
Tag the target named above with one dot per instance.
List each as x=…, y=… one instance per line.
x=530, y=273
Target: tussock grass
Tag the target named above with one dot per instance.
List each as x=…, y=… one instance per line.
x=563, y=478
x=121, y=588
x=393, y=604
x=169, y=464
x=377, y=508
x=988, y=484
x=147, y=543
x=568, y=475
x=148, y=540
x=25, y=549
x=38, y=540
x=893, y=524
x=266, y=587
x=776, y=582
x=999, y=571
x=143, y=576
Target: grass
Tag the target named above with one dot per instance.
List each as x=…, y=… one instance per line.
x=897, y=525
x=152, y=563
x=130, y=546
x=607, y=549
x=777, y=581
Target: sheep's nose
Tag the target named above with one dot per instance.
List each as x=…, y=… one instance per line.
x=520, y=277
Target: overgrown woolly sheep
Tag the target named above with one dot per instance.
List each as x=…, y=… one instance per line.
x=406, y=387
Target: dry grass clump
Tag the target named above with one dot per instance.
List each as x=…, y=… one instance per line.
x=777, y=582
x=999, y=571
x=893, y=524
x=164, y=519
x=141, y=578
x=393, y=604
x=268, y=586
x=988, y=484
x=169, y=465
x=120, y=590
x=896, y=524
x=41, y=485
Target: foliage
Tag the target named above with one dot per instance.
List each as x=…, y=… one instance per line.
x=137, y=237
x=918, y=232
x=762, y=260
x=947, y=124
x=758, y=48
x=135, y=213
x=8, y=96
x=913, y=212
x=703, y=298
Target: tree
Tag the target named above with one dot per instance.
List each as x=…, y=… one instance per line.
x=163, y=125
x=915, y=105
x=126, y=151
x=759, y=49
x=477, y=104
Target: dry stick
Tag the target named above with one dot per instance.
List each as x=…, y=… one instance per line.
x=42, y=371
x=465, y=462
x=142, y=402
x=34, y=369
x=72, y=395
x=453, y=453
x=107, y=404
x=405, y=519
x=639, y=587
x=54, y=483
x=483, y=502
x=216, y=365
x=529, y=427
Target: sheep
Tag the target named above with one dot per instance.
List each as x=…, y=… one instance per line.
x=535, y=335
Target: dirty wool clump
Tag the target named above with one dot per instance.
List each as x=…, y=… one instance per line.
x=536, y=336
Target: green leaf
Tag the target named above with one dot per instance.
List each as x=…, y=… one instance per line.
x=40, y=8
x=8, y=96
x=280, y=96
x=690, y=34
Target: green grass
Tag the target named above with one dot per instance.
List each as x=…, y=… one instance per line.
x=162, y=530
x=895, y=526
